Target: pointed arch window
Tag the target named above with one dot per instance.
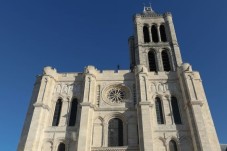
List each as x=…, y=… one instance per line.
x=165, y=60
x=146, y=34
x=172, y=145
x=159, y=112
x=115, y=132
x=57, y=113
x=61, y=147
x=152, y=61
x=175, y=110
x=73, y=112
x=163, y=33
x=154, y=33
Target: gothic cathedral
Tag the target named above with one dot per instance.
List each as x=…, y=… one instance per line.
x=157, y=105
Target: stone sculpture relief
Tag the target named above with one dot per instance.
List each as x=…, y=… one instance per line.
x=163, y=87
x=68, y=89
x=159, y=87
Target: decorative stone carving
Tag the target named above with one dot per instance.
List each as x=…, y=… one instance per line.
x=70, y=90
x=64, y=89
x=98, y=95
x=162, y=87
x=141, y=69
x=116, y=94
x=58, y=89
x=159, y=87
x=153, y=87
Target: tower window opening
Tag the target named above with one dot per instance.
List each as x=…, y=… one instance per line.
x=165, y=61
x=152, y=61
x=175, y=110
x=115, y=132
x=159, y=112
x=172, y=145
x=154, y=33
x=57, y=113
x=61, y=147
x=163, y=33
x=73, y=112
x=146, y=35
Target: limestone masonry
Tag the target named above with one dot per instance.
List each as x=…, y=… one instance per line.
x=157, y=105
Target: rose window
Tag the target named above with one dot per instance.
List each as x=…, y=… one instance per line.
x=116, y=95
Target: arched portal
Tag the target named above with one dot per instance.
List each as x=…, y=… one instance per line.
x=115, y=132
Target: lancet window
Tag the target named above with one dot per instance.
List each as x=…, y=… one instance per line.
x=57, y=113
x=154, y=32
x=146, y=35
x=165, y=60
x=73, y=112
x=163, y=33
x=172, y=145
x=175, y=110
x=159, y=112
x=61, y=147
x=152, y=61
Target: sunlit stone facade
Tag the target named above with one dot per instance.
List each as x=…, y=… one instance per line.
x=157, y=105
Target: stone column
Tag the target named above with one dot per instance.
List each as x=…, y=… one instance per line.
x=171, y=34
x=168, y=110
x=138, y=30
x=150, y=34
x=38, y=113
x=64, y=113
x=159, y=34
x=144, y=110
x=85, y=128
x=172, y=38
x=145, y=126
x=195, y=113
x=105, y=134
x=159, y=61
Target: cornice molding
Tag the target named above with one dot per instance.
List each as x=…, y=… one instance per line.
x=40, y=104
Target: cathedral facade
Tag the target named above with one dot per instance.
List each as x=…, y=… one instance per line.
x=158, y=104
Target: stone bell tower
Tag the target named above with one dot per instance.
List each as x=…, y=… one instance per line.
x=154, y=31
x=172, y=108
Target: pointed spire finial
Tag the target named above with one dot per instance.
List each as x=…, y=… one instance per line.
x=118, y=67
x=147, y=8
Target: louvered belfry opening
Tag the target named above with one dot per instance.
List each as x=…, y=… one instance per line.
x=175, y=110
x=61, y=147
x=172, y=145
x=152, y=61
x=165, y=60
x=163, y=33
x=73, y=112
x=154, y=33
x=146, y=35
x=57, y=113
x=115, y=132
x=159, y=112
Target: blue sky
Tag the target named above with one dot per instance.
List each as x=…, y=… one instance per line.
x=69, y=35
